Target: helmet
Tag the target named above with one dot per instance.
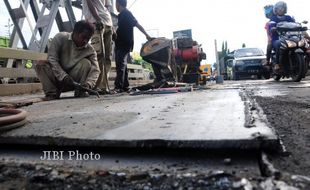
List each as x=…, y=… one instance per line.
x=280, y=8
x=268, y=11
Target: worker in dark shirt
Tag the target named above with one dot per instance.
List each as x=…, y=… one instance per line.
x=124, y=41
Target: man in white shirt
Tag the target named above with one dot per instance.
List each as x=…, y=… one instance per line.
x=97, y=12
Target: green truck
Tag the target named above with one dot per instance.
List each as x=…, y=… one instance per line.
x=4, y=43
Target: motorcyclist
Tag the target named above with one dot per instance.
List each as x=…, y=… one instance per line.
x=268, y=9
x=279, y=10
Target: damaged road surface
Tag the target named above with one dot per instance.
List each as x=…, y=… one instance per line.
x=225, y=137
x=199, y=119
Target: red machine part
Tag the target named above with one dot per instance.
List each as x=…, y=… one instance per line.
x=188, y=53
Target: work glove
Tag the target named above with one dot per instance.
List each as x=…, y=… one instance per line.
x=68, y=81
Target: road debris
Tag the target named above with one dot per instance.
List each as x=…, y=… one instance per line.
x=163, y=90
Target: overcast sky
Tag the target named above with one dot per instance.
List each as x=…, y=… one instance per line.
x=234, y=21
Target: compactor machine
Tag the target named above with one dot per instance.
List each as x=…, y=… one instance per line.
x=175, y=60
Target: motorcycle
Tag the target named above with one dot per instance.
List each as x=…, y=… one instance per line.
x=294, y=47
x=307, y=57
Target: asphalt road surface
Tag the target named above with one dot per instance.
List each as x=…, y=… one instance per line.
x=283, y=107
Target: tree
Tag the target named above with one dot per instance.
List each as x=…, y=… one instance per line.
x=224, y=51
x=243, y=45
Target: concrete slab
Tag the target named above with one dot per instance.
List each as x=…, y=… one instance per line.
x=200, y=119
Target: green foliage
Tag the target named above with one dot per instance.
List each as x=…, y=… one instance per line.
x=148, y=66
x=137, y=59
x=137, y=62
x=224, y=51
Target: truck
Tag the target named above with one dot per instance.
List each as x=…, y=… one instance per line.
x=4, y=42
x=205, y=72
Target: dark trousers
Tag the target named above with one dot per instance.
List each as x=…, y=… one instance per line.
x=121, y=80
x=280, y=53
x=276, y=46
x=268, y=52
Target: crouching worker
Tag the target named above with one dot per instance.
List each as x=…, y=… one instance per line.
x=70, y=59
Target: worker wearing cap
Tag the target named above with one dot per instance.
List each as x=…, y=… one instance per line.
x=97, y=12
x=70, y=59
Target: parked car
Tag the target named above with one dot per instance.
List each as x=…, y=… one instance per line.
x=248, y=62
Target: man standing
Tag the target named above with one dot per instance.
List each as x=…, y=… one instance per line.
x=70, y=59
x=97, y=12
x=124, y=44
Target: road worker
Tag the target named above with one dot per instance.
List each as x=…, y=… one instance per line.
x=124, y=41
x=70, y=59
x=98, y=13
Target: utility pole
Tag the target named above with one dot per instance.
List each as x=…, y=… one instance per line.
x=219, y=78
x=9, y=25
